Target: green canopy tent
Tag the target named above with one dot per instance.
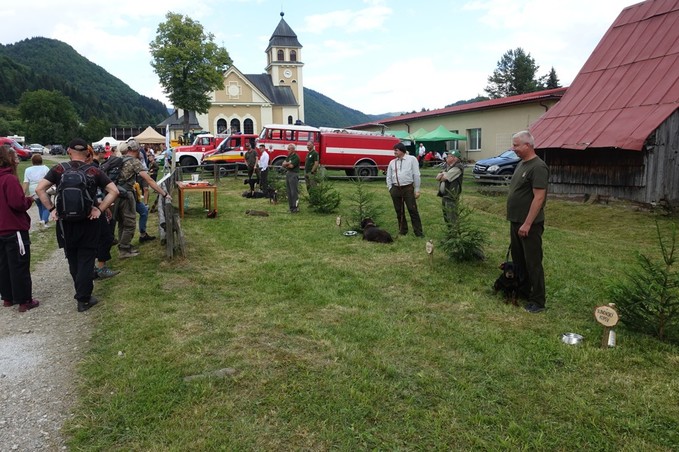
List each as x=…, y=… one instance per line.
x=417, y=134
x=441, y=134
x=400, y=134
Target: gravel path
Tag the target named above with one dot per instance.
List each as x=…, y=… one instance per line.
x=39, y=352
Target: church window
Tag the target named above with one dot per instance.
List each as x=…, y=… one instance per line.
x=280, y=55
x=235, y=125
x=289, y=119
x=248, y=126
x=221, y=126
x=293, y=55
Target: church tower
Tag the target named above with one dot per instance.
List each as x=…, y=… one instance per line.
x=284, y=61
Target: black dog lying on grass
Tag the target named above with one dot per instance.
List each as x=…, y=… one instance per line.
x=374, y=234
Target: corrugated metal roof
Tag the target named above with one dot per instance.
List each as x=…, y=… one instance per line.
x=627, y=87
x=547, y=94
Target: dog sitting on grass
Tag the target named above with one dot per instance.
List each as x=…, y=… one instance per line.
x=508, y=283
x=374, y=234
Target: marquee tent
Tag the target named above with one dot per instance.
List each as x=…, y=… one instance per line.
x=441, y=134
x=110, y=140
x=150, y=136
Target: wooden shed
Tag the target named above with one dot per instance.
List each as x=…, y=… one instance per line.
x=616, y=130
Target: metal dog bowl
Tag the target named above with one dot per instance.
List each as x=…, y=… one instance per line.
x=350, y=233
x=572, y=338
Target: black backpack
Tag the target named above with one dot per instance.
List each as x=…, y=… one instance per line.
x=74, y=202
x=113, y=166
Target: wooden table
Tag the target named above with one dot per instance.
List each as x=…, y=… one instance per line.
x=209, y=192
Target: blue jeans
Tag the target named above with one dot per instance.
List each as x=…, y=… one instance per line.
x=43, y=213
x=143, y=212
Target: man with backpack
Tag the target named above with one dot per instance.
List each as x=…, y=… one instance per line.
x=126, y=208
x=77, y=211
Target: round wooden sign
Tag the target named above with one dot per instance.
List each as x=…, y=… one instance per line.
x=606, y=315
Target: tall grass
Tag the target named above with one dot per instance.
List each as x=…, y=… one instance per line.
x=337, y=343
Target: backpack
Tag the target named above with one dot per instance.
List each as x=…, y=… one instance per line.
x=74, y=201
x=113, y=166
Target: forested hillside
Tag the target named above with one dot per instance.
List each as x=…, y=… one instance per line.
x=320, y=110
x=42, y=63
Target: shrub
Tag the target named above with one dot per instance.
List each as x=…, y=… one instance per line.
x=363, y=205
x=323, y=198
x=648, y=301
x=463, y=240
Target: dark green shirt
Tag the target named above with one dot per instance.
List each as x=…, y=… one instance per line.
x=311, y=159
x=528, y=175
x=294, y=159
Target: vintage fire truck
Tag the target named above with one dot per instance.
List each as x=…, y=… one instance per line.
x=229, y=153
x=360, y=154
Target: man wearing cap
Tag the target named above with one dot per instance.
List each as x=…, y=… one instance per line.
x=450, y=185
x=311, y=164
x=126, y=206
x=403, y=182
x=263, y=168
x=291, y=164
x=250, y=157
x=80, y=239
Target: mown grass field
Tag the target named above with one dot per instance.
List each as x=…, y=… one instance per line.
x=340, y=344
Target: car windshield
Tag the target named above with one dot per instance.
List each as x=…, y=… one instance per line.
x=508, y=155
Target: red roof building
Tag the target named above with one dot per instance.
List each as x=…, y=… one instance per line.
x=616, y=130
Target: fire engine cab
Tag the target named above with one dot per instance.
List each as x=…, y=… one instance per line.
x=360, y=154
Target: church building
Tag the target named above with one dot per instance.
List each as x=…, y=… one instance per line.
x=249, y=101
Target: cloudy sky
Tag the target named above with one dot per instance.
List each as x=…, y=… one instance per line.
x=375, y=56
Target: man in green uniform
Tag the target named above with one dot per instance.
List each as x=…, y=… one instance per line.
x=311, y=165
x=291, y=164
x=525, y=212
x=450, y=185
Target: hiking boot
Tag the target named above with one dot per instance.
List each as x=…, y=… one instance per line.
x=106, y=272
x=124, y=254
x=7, y=303
x=146, y=238
x=534, y=308
x=23, y=307
x=85, y=305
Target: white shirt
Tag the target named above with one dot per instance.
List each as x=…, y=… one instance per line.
x=264, y=160
x=404, y=171
x=33, y=175
x=423, y=150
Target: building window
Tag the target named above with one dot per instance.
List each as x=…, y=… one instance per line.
x=248, y=126
x=474, y=139
x=289, y=119
x=454, y=145
x=280, y=55
x=293, y=55
x=235, y=126
x=221, y=126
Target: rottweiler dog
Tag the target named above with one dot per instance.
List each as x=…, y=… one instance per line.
x=374, y=234
x=509, y=282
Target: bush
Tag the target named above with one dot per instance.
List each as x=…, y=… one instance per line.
x=363, y=205
x=323, y=198
x=463, y=241
x=648, y=301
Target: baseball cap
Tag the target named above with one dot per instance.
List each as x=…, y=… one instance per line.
x=78, y=144
x=132, y=145
x=455, y=153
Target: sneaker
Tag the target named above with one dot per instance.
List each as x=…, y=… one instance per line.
x=146, y=238
x=85, y=305
x=7, y=303
x=23, y=307
x=124, y=254
x=106, y=272
x=534, y=308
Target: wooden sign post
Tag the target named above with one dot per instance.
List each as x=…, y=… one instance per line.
x=608, y=317
x=338, y=221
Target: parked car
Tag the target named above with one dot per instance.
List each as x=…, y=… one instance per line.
x=57, y=149
x=499, y=168
x=37, y=148
x=24, y=154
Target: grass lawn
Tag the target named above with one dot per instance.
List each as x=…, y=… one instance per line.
x=340, y=344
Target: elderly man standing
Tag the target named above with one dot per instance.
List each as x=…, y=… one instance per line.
x=450, y=185
x=403, y=182
x=525, y=212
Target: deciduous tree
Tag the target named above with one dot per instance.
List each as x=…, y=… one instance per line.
x=49, y=116
x=188, y=62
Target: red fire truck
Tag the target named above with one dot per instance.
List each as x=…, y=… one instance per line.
x=360, y=154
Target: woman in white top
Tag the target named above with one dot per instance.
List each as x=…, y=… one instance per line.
x=32, y=176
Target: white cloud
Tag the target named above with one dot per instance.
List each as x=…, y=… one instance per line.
x=371, y=18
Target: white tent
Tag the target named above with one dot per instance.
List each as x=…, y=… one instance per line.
x=110, y=140
x=150, y=136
